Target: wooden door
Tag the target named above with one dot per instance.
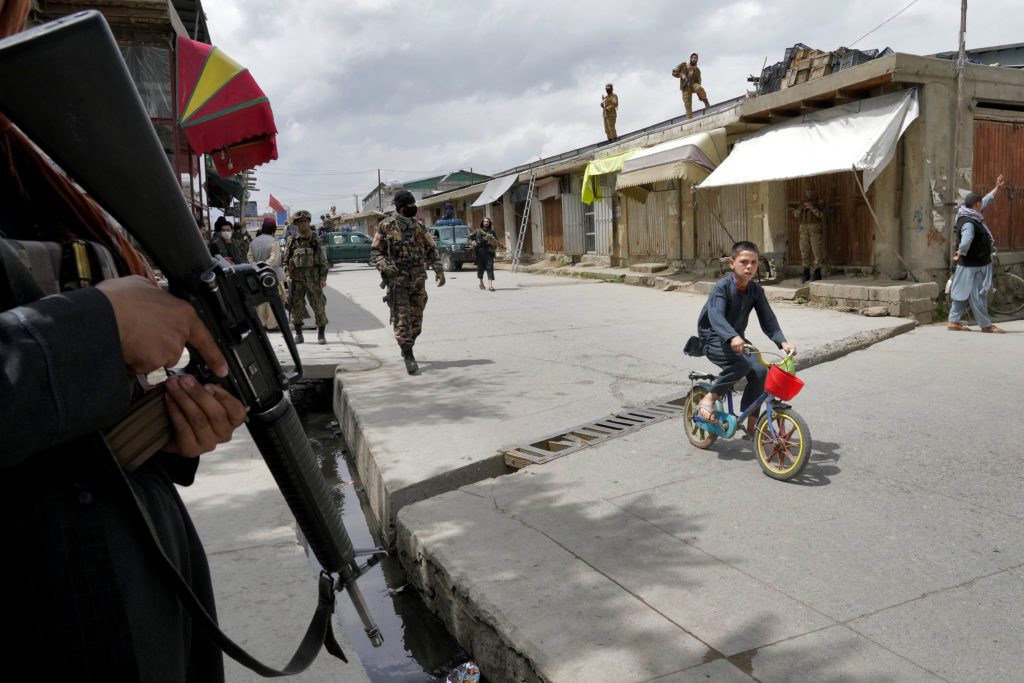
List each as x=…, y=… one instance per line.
x=478, y=215
x=554, y=239
x=849, y=230
x=999, y=149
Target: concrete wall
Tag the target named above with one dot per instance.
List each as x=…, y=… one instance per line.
x=926, y=172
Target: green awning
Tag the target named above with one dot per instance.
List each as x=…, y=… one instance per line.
x=221, y=191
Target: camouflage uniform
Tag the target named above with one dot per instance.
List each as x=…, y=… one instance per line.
x=810, y=234
x=306, y=264
x=689, y=83
x=610, y=106
x=404, y=244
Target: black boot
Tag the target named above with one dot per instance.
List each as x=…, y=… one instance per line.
x=410, y=361
x=298, y=334
x=321, y=337
x=805, y=276
x=817, y=274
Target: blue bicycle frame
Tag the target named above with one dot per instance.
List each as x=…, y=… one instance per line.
x=727, y=421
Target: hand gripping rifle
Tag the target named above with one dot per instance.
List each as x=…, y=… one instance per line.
x=95, y=127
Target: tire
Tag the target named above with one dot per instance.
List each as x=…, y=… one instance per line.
x=1007, y=295
x=446, y=262
x=785, y=457
x=694, y=434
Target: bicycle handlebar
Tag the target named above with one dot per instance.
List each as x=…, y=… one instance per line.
x=750, y=348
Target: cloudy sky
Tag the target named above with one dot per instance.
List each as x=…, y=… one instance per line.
x=419, y=87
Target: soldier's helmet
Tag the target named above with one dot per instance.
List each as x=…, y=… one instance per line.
x=299, y=215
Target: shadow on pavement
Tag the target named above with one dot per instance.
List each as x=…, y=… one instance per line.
x=468, y=362
x=356, y=318
x=822, y=466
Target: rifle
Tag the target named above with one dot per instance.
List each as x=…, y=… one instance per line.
x=678, y=73
x=96, y=129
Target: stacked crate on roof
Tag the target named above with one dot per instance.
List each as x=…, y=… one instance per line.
x=846, y=57
x=807, y=65
x=773, y=75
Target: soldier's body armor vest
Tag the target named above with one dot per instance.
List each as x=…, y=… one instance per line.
x=407, y=245
x=304, y=252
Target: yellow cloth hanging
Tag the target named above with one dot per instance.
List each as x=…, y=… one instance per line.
x=591, y=188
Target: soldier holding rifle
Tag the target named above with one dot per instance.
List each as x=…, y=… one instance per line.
x=402, y=251
x=484, y=242
x=688, y=74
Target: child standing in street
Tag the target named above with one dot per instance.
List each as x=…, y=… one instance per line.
x=722, y=324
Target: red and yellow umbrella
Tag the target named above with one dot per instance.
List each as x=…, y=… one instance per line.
x=222, y=110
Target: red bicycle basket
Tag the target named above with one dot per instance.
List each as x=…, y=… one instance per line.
x=782, y=384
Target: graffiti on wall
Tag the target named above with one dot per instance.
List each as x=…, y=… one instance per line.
x=936, y=233
x=918, y=220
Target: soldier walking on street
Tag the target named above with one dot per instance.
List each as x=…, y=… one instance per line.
x=688, y=74
x=610, y=107
x=241, y=241
x=810, y=213
x=402, y=251
x=306, y=267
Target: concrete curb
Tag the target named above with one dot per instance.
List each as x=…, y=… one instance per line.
x=847, y=345
x=386, y=503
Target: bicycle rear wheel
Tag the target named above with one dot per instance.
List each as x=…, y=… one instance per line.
x=698, y=436
x=786, y=455
x=1007, y=294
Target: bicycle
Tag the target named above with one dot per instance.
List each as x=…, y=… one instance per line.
x=782, y=439
x=1007, y=294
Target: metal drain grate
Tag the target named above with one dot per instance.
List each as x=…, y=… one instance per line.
x=626, y=421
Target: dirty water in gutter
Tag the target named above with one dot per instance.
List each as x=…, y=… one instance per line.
x=417, y=647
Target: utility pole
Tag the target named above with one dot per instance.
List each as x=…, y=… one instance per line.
x=380, y=199
x=954, y=181
x=356, y=198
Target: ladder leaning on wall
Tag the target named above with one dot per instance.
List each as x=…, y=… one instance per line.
x=524, y=225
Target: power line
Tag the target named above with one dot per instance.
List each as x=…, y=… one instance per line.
x=371, y=170
x=909, y=5
x=311, y=194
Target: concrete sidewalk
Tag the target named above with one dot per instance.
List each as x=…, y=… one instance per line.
x=265, y=587
x=898, y=557
x=540, y=354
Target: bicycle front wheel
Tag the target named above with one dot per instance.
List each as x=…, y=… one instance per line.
x=1007, y=294
x=786, y=455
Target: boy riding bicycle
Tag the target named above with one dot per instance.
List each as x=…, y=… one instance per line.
x=721, y=326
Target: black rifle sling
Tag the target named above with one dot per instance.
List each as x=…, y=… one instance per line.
x=320, y=632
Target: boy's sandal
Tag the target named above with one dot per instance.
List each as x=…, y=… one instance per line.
x=992, y=329
x=958, y=327
x=712, y=417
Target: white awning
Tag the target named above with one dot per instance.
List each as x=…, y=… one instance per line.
x=494, y=189
x=692, y=157
x=860, y=135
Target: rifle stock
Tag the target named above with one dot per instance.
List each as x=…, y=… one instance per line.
x=95, y=127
